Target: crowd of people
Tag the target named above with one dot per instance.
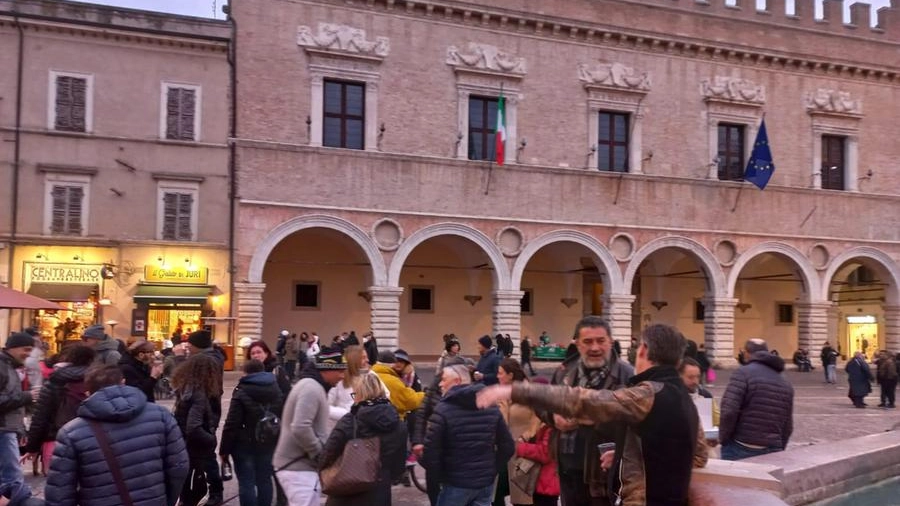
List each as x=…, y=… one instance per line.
x=600, y=430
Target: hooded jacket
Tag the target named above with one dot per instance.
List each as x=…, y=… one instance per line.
x=404, y=398
x=758, y=404
x=464, y=446
x=144, y=439
x=108, y=352
x=304, y=423
x=375, y=418
x=12, y=399
x=44, y=423
x=662, y=438
x=252, y=393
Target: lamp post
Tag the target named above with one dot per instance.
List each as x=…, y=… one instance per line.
x=112, y=327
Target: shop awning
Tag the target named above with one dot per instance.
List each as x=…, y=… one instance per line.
x=63, y=292
x=173, y=294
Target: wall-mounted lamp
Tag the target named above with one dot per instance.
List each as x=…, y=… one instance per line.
x=659, y=304
x=569, y=301
x=867, y=176
x=459, y=138
x=42, y=256
x=78, y=258
x=743, y=306
x=472, y=299
x=365, y=294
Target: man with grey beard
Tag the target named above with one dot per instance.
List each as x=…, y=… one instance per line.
x=596, y=367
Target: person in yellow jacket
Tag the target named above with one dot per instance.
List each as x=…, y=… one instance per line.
x=404, y=398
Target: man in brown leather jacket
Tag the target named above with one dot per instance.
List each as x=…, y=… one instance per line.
x=595, y=367
x=661, y=439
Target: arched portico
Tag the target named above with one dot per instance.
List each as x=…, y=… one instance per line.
x=807, y=272
x=714, y=275
x=601, y=254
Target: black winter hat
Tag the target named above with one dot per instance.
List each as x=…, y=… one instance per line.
x=19, y=340
x=486, y=341
x=201, y=339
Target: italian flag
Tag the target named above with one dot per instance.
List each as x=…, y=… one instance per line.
x=500, y=132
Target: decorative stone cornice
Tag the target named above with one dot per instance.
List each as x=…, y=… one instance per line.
x=485, y=58
x=836, y=102
x=733, y=90
x=614, y=76
x=342, y=39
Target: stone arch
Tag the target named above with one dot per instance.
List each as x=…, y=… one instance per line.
x=714, y=275
x=285, y=229
x=807, y=271
x=501, y=271
x=869, y=253
x=606, y=258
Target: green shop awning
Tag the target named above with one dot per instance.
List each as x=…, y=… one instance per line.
x=63, y=292
x=173, y=294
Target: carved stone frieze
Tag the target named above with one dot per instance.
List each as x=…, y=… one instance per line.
x=733, y=89
x=484, y=57
x=614, y=75
x=343, y=38
x=831, y=101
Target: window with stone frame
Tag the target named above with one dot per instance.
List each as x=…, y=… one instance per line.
x=177, y=215
x=344, y=115
x=833, y=164
x=181, y=112
x=730, y=158
x=67, y=203
x=421, y=299
x=612, y=141
x=482, y=127
x=70, y=103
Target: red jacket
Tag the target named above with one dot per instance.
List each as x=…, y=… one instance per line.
x=539, y=451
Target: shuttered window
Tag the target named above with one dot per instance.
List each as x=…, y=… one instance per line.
x=71, y=104
x=66, y=214
x=181, y=105
x=177, y=210
x=833, y=147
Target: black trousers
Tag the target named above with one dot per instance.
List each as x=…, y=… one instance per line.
x=888, y=390
x=575, y=492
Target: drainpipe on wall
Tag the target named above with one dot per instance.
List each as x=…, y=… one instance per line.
x=17, y=160
x=232, y=170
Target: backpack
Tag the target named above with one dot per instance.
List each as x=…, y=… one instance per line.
x=71, y=396
x=268, y=427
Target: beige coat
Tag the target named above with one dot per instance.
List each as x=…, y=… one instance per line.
x=522, y=423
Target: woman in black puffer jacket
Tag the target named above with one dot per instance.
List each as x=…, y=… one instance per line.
x=373, y=415
x=255, y=393
x=259, y=351
x=53, y=408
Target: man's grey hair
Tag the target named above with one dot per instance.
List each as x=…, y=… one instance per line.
x=756, y=344
x=665, y=344
x=592, y=322
x=461, y=371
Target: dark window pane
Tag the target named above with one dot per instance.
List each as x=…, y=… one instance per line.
x=612, y=141
x=332, y=97
x=344, y=117
x=306, y=295
x=605, y=132
x=620, y=157
x=482, y=123
x=476, y=113
x=785, y=313
x=491, y=115
x=833, y=165
x=475, y=147
x=699, y=311
x=730, y=154
x=603, y=151
x=354, y=100
x=354, y=134
x=420, y=299
x=491, y=146
x=525, y=302
x=621, y=127
x=331, y=135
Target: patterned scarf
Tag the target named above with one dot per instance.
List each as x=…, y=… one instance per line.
x=592, y=379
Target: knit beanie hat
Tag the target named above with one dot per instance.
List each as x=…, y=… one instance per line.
x=201, y=339
x=94, y=332
x=19, y=340
x=330, y=358
x=386, y=357
x=486, y=341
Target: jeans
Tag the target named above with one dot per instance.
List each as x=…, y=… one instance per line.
x=830, y=375
x=736, y=451
x=302, y=488
x=888, y=389
x=254, y=474
x=10, y=470
x=456, y=496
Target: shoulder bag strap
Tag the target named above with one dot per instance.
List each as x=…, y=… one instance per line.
x=112, y=461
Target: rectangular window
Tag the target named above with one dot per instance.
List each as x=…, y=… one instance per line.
x=833, y=162
x=67, y=213
x=731, y=152
x=181, y=112
x=612, y=142
x=306, y=295
x=699, y=311
x=70, y=114
x=527, y=300
x=344, y=122
x=421, y=299
x=177, y=216
x=482, y=127
x=785, y=314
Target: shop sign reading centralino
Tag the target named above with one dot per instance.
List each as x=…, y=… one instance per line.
x=63, y=273
x=193, y=276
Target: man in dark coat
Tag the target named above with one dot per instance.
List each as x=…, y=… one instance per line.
x=860, y=377
x=12, y=405
x=757, y=407
x=464, y=446
x=489, y=363
x=138, y=369
x=143, y=438
x=829, y=362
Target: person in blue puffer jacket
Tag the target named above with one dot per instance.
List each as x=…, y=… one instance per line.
x=144, y=439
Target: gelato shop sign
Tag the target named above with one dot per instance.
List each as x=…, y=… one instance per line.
x=64, y=273
x=192, y=276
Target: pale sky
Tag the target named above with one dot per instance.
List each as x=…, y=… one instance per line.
x=213, y=8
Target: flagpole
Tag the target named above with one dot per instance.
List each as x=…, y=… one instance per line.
x=487, y=187
x=738, y=197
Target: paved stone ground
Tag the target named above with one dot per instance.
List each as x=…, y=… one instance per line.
x=822, y=414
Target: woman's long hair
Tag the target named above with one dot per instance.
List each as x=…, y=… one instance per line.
x=199, y=373
x=512, y=366
x=264, y=346
x=352, y=356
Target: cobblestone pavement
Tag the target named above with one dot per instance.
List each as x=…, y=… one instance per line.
x=822, y=414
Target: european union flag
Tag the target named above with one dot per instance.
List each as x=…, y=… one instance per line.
x=760, y=165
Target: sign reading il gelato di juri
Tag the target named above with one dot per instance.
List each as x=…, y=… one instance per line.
x=191, y=276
